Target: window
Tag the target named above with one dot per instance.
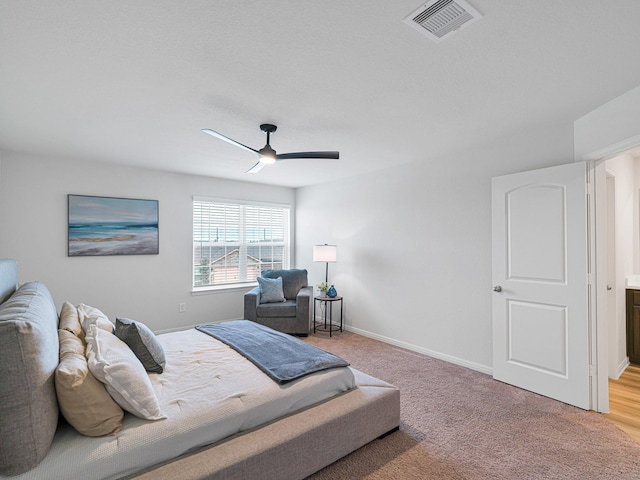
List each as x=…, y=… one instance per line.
x=234, y=242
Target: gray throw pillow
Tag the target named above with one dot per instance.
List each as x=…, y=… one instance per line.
x=143, y=342
x=271, y=290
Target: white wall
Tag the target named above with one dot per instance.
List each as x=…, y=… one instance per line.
x=414, y=243
x=33, y=219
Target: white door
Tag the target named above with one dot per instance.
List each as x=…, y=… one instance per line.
x=540, y=299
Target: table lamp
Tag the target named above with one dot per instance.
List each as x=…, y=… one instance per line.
x=325, y=253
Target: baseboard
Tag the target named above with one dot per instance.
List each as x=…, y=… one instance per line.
x=392, y=341
x=188, y=327
x=425, y=351
x=621, y=368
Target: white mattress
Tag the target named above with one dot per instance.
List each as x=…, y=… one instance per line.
x=208, y=392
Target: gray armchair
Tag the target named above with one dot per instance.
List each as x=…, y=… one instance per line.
x=292, y=316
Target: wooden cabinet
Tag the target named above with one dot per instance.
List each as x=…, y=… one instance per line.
x=633, y=326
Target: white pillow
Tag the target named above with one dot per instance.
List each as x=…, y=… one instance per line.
x=92, y=316
x=113, y=363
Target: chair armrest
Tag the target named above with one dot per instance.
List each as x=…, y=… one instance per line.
x=305, y=292
x=251, y=302
x=303, y=304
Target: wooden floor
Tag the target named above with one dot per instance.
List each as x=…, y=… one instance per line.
x=624, y=401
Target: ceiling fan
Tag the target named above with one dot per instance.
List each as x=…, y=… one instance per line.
x=268, y=155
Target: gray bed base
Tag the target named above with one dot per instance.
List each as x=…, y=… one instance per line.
x=298, y=445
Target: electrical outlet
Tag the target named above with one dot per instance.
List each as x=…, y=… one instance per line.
x=182, y=307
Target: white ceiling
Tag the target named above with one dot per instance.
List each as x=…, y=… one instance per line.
x=134, y=82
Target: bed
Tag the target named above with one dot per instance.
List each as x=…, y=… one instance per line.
x=219, y=415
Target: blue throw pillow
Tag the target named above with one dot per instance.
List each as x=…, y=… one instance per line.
x=271, y=290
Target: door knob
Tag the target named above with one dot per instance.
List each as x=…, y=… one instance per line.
x=497, y=288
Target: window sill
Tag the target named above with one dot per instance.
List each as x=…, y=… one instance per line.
x=223, y=289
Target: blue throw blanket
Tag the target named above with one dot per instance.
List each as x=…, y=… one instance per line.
x=282, y=357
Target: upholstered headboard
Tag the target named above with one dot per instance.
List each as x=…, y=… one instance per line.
x=8, y=278
x=29, y=357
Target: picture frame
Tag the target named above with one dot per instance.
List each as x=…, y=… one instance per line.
x=100, y=226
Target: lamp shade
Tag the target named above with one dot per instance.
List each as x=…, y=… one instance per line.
x=325, y=253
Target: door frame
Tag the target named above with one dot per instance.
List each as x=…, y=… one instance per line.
x=598, y=303
x=612, y=281
x=598, y=254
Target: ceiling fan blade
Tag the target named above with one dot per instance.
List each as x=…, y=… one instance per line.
x=322, y=155
x=256, y=168
x=229, y=140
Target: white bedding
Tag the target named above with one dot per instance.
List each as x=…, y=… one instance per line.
x=208, y=392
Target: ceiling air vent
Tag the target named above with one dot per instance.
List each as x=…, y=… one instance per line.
x=438, y=19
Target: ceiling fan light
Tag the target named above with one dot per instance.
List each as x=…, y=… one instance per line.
x=267, y=155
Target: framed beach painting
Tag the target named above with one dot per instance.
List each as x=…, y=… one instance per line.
x=112, y=226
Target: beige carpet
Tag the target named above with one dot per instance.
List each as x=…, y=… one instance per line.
x=460, y=424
